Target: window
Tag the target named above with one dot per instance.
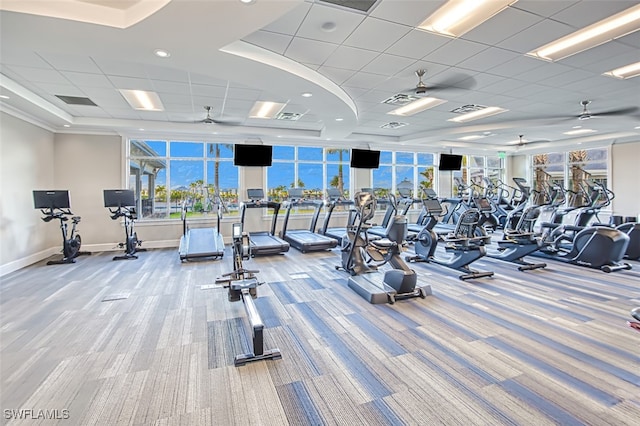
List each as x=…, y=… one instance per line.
x=548, y=170
x=166, y=174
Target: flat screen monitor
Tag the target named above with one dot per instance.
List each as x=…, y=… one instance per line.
x=365, y=159
x=252, y=155
x=255, y=194
x=119, y=198
x=450, y=162
x=51, y=199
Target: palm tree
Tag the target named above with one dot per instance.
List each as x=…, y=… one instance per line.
x=214, y=148
x=340, y=181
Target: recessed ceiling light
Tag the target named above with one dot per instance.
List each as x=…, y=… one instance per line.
x=577, y=127
x=471, y=137
x=637, y=127
x=247, y=1
x=141, y=129
x=608, y=29
x=629, y=71
x=265, y=109
x=456, y=17
x=161, y=53
x=417, y=106
x=4, y=97
x=66, y=125
x=307, y=95
x=339, y=119
x=481, y=113
x=143, y=100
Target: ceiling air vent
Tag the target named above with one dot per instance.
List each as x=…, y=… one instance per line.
x=400, y=99
x=393, y=125
x=361, y=5
x=75, y=100
x=288, y=116
x=468, y=108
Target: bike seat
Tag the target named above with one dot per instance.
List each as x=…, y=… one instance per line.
x=383, y=244
x=75, y=219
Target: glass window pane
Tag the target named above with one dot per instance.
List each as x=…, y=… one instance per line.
x=425, y=159
x=385, y=158
x=404, y=157
x=283, y=152
x=404, y=177
x=225, y=178
x=426, y=177
x=186, y=149
x=219, y=150
x=310, y=178
x=139, y=148
x=494, y=162
x=339, y=155
x=309, y=154
x=280, y=177
x=476, y=161
x=381, y=183
x=187, y=177
x=338, y=177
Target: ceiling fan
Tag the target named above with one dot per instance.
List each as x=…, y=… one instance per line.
x=523, y=142
x=458, y=81
x=586, y=114
x=210, y=120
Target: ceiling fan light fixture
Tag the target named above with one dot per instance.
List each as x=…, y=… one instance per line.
x=456, y=17
x=475, y=115
x=628, y=71
x=608, y=29
x=142, y=100
x=266, y=109
x=417, y=106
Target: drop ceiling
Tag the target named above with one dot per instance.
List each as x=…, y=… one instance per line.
x=228, y=55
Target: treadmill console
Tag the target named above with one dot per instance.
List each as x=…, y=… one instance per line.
x=255, y=194
x=236, y=231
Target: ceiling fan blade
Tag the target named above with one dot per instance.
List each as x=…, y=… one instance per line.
x=456, y=81
x=620, y=111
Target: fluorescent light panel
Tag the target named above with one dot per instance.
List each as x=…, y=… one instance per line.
x=143, y=100
x=628, y=71
x=262, y=109
x=417, y=106
x=579, y=132
x=475, y=115
x=456, y=17
x=608, y=29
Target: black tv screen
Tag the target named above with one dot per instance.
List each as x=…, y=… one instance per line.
x=365, y=159
x=51, y=199
x=252, y=155
x=119, y=198
x=450, y=162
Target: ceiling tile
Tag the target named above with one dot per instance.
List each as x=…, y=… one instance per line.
x=365, y=80
x=337, y=75
x=505, y=24
x=488, y=59
x=345, y=23
x=75, y=63
x=290, y=22
x=346, y=57
x=274, y=42
x=417, y=44
x=407, y=12
x=128, y=83
x=376, y=34
x=310, y=51
x=455, y=51
x=39, y=75
x=81, y=79
x=387, y=64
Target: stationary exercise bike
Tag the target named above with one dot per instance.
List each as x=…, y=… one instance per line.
x=56, y=205
x=243, y=285
x=120, y=203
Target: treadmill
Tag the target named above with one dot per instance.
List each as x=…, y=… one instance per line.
x=305, y=240
x=198, y=243
x=336, y=198
x=263, y=242
x=431, y=209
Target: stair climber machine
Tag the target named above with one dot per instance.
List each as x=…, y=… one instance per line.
x=464, y=244
x=120, y=203
x=263, y=242
x=198, y=243
x=243, y=285
x=305, y=240
x=362, y=258
x=57, y=205
x=598, y=247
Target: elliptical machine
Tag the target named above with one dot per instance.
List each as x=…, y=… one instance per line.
x=123, y=200
x=464, y=244
x=56, y=205
x=243, y=284
x=362, y=257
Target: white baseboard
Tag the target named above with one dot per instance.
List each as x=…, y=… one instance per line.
x=14, y=265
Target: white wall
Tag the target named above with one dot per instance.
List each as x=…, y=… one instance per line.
x=26, y=153
x=625, y=179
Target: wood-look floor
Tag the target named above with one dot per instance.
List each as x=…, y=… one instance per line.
x=522, y=348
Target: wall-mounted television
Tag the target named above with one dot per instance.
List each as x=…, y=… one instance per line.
x=365, y=159
x=252, y=155
x=450, y=162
